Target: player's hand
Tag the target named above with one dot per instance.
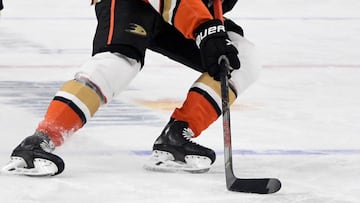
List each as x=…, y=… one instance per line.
x=213, y=41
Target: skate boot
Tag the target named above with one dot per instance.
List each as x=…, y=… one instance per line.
x=33, y=157
x=174, y=151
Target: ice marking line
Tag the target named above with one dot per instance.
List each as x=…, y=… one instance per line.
x=39, y=66
x=312, y=66
x=24, y=18
x=119, y=112
x=275, y=152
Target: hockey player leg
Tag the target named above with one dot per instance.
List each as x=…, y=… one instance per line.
x=200, y=109
x=174, y=149
x=102, y=78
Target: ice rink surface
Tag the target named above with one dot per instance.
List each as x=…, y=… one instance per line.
x=299, y=122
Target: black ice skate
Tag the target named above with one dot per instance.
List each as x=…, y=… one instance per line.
x=173, y=150
x=33, y=157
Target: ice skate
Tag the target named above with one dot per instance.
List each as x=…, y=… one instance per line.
x=174, y=151
x=33, y=157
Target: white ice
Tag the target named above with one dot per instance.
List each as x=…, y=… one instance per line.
x=299, y=122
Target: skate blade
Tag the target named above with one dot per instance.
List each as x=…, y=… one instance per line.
x=164, y=162
x=172, y=167
x=17, y=166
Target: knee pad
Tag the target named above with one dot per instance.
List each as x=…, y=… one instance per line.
x=250, y=64
x=108, y=74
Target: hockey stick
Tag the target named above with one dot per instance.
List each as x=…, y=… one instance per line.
x=248, y=185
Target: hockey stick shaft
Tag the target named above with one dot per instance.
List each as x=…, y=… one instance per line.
x=218, y=11
x=224, y=81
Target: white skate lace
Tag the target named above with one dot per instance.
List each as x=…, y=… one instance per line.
x=188, y=135
x=47, y=146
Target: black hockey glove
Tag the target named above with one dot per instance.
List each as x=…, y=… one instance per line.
x=214, y=42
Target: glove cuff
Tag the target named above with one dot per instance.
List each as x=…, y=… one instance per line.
x=209, y=29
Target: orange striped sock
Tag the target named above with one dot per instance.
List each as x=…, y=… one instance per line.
x=202, y=105
x=71, y=107
x=197, y=111
x=60, y=120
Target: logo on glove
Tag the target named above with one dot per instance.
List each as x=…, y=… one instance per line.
x=209, y=31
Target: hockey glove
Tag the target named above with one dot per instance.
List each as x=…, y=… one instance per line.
x=214, y=42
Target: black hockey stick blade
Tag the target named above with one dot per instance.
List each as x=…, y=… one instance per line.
x=255, y=185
